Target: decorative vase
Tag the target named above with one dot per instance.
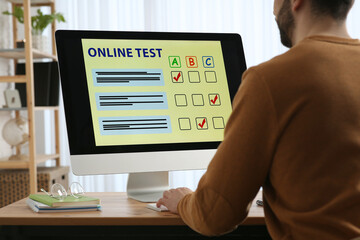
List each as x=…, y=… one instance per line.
x=40, y=42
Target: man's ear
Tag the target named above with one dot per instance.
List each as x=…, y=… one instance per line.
x=297, y=4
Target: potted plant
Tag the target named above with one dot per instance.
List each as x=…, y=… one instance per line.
x=38, y=25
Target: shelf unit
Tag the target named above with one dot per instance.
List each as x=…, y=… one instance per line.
x=28, y=53
x=19, y=53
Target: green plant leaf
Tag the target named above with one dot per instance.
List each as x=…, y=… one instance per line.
x=18, y=14
x=59, y=17
x=38, y=22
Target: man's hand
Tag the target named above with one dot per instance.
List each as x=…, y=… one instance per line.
x=172, y=197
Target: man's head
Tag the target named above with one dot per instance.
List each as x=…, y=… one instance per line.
x=285, y=12
x=337, y=9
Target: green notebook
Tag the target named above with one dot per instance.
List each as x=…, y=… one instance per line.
x=68, y=201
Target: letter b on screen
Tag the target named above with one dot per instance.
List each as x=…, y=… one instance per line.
x=191, y=62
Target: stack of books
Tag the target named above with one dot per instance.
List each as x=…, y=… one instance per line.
x=45, y=203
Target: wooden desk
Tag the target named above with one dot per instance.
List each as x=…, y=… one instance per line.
x=117, y=210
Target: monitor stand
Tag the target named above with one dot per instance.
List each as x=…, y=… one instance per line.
x=147, y=187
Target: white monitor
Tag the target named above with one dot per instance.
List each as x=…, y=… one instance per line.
x=146, y=103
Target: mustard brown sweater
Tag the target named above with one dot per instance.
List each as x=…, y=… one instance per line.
x=295, y=131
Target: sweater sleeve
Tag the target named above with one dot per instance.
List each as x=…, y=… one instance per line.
x=241, y=164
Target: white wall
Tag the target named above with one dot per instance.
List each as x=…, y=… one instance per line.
x=353, y=22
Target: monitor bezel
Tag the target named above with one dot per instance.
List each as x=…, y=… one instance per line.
x=76, y=102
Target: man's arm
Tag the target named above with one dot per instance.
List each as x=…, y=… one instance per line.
x=240, y=165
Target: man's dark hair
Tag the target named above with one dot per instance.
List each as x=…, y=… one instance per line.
x=338, y=9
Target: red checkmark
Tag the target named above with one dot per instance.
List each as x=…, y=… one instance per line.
x=203, y=123
x=178, y=76
x=213, y=101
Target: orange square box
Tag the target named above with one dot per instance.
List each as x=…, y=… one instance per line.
x=191, y=62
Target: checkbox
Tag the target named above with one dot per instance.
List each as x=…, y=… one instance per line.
x=177, y=77
x=214, y=99
x=184, y=124
x=218, y=122
x=194, y=76
x=210, y=77
x=180, y=100
x=201, y=123
x=198, y=99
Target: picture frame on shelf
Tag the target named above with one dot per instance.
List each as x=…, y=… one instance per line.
x=12, y=98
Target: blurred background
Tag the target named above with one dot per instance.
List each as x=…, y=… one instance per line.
x=253, y=20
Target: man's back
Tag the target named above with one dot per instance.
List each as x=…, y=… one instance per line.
x=295, y=130
x=313, y=185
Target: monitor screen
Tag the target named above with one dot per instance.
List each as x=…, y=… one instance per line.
x=130, y=92
x=156, y=91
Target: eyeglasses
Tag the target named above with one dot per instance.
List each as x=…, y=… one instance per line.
x=58, y=191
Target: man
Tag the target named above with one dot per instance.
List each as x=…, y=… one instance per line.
x=295, y=131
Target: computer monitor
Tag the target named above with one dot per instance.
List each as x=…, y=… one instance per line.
x=146, y=103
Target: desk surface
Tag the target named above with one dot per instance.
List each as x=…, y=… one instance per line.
x=117, y=210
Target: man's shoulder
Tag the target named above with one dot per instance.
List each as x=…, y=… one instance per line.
x=306, y=54
x=288, y=61
x=288, y=69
